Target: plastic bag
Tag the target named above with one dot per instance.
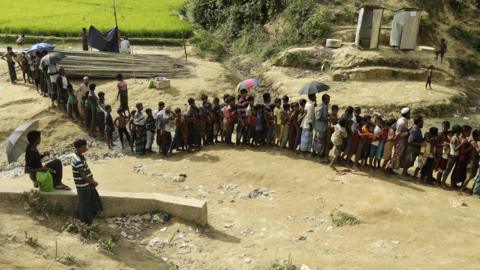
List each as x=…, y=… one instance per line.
x=151, y=83
x=45, y=181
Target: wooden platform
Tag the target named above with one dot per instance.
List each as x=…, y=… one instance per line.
x=101, y=65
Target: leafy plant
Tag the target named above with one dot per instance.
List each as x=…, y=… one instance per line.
x=205, y=44
x=340, y=219
x=106, y=243
x=67, y=259
x=466, y=66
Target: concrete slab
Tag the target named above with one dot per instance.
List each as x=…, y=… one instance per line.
x=124, y=203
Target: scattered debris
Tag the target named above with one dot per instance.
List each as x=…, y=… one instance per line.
x=247, y=231
x=301, y=238
x=132, y=226
x=228, y=226
x=180, y=178
x=304, y=267
x=455, y=203
x=155, y=244
x=395, y=242
x=378, y=244
x=260, y=191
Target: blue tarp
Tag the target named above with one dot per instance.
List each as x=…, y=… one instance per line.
x=104, y=42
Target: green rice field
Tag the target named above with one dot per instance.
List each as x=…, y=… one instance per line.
x=137, y=18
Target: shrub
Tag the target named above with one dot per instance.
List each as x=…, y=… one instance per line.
x=466, y=66
x=205, y=44
x=318, y=25
x=471, y=37
x=341, y=219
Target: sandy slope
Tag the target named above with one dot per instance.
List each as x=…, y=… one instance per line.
x=430, y=228
x=404, y=226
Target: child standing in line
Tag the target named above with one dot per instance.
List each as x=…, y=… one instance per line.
x=209, y=124
x=252, y=122
x=150, y=125
x=426, y=173
x=285, y=125
x=453, y=153
x=229, y=121
x=72, y=104
x=376, y=149
x=294, y=129
x=443, y=141
x=133, y=129
x=180, y=139
x=422, y=157
x=337, y=139
x=367, y=147
x=109, y=126
x=217, y=120
x=357, y=136
x=260, y=125
x=388, y=147
x=277, y=111
x=121, y=124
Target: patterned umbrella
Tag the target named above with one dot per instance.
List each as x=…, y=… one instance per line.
x=17, y=142
x=248, y=84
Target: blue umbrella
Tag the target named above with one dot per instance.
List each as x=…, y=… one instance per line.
x=41, y=47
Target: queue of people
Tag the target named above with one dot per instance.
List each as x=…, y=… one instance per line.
x=363, y=142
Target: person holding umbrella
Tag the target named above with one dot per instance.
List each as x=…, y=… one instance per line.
x=310, y=89
x=33, y=162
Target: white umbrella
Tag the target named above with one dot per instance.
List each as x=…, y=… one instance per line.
x=17, y=142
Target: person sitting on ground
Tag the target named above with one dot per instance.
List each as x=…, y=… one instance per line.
x=125, y=45
x=89, y=203
x=21, y=39
x=33, y=162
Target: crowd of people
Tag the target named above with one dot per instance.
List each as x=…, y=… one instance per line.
x=352, y=139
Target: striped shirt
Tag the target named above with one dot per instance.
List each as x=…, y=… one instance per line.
x=79, y=164
x=242, y=108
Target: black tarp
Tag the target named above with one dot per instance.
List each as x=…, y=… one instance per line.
x=105, y=42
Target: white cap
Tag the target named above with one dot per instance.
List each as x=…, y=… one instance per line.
x=85, y=78
x=405, y=110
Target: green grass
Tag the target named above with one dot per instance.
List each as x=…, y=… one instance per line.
x=137, y=18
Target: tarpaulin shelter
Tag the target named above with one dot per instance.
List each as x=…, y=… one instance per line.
x=405, y=26
x=368, y=27
x=105, y=42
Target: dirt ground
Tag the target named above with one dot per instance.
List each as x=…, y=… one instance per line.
x=402, y=225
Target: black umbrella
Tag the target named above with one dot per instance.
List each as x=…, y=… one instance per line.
x=52, y=58
x=313, y=88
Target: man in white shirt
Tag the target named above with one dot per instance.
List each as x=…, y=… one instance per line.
x=400, y=139
x=307, y=124
x=82, y=92
x=125, y=46
x=159, y=124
